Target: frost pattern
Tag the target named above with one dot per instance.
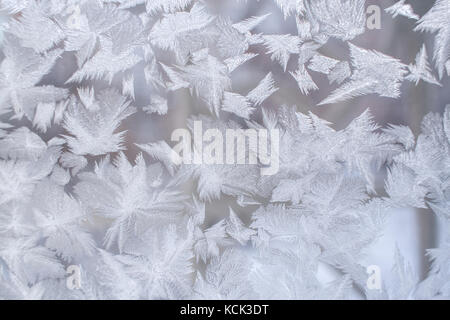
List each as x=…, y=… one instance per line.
x=72, y=193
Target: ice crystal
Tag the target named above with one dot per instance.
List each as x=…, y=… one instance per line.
x=82, y=186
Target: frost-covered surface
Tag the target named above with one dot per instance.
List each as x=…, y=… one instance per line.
x=72, y=193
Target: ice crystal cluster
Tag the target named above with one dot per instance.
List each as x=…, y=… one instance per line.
x=77, y=188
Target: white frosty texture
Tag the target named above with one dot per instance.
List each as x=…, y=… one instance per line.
x=76, y=190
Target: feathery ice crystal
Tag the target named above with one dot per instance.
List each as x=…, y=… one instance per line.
x=79, y=186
